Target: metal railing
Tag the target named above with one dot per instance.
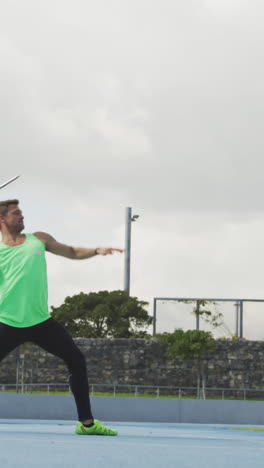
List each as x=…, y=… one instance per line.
x=239, y=302
x=137, y=391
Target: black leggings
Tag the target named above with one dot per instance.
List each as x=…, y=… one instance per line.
x=53, y=337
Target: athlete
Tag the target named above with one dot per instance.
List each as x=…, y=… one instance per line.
x=24, y=312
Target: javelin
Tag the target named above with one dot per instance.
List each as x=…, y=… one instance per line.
x=8, y=182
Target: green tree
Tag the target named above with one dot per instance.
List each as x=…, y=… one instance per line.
x=104, y=314
x=190, y=344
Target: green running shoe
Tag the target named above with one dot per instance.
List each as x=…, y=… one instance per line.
x=97, y=429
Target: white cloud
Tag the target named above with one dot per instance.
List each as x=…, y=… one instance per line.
x=232, y=10
x=150, y=104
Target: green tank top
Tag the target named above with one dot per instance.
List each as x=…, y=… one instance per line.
x=23, y=283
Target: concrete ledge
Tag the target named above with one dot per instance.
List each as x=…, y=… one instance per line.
x=62, y=407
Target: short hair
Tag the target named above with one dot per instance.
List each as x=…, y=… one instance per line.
x=5, y=204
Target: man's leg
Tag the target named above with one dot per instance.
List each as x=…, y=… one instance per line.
x=10, y=338
x=53, y=337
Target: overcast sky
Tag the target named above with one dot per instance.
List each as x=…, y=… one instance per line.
x=153, y=104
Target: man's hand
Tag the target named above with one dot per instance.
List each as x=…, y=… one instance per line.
x=107, y=250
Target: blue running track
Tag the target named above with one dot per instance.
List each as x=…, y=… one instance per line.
x=53, y=444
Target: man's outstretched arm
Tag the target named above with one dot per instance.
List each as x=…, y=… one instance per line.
x=75, y=253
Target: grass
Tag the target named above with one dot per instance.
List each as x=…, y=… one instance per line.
x=138, y=395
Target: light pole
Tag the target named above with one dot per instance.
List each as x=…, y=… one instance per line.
x=237, y=306
x=129, y=219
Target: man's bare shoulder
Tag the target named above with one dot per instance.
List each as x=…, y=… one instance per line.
x=43, y=237
x=53, y=246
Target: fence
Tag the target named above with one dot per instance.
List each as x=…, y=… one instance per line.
x=140, y=391
x=239, y=313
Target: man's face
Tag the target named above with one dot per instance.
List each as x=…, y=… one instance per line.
x=13, y=220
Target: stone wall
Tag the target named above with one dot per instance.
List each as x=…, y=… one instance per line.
x=235, y=364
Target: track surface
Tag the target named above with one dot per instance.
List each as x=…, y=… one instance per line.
x=54, y=444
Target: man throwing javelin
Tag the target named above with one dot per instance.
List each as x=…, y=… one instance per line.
x=24, y=312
